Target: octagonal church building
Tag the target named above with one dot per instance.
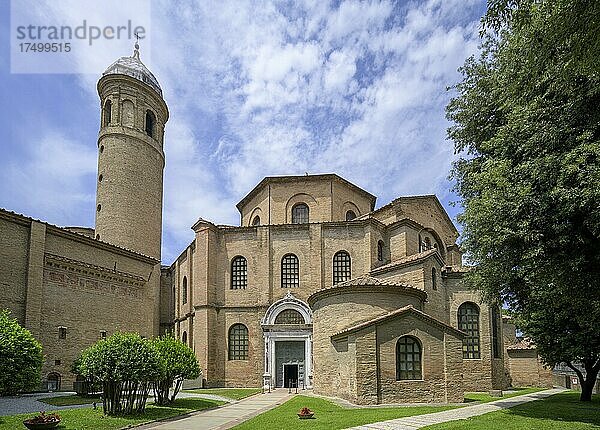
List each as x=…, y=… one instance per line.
x=316, y=288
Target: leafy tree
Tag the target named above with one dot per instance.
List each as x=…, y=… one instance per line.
x=126, y=365
x=20, y=357
x=89, y=385
x=527, y=126
x=179, y=363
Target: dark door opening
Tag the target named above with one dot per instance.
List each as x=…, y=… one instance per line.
x=290, y=375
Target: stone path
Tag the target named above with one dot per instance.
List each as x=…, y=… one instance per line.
x=419, y=421
x=226, y=416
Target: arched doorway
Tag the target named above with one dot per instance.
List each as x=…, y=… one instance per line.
x=53, y=379
x=287, y=331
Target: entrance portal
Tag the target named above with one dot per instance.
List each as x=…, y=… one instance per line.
x=290, y=375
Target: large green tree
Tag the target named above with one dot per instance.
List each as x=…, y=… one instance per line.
x=527, y=128
x=20, y=357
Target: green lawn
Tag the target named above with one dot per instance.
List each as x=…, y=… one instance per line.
x=70, y=400
x=90, y=419
x=231, y=393
x=485, y=397
x=562, y=411
x=329, y=415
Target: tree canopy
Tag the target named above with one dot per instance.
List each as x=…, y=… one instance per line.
x=527, y=128
x=20, y=357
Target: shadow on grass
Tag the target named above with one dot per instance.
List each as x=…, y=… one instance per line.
x=561, y=407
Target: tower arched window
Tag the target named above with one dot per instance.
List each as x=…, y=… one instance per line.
x=256, y=221
x=300, y=214
x=408, y=359
x=289, y=316
x=468, y=321
x=150, y=123
x=350, y=215
x=433, y=278
x=184, y=337
x=380, y=250
x=290, y=271
x=342, y=270
x=107, y=113
x=184, y=291
x=238, y=342
x=239, y=273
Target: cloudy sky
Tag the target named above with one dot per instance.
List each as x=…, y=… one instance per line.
x=254, y=89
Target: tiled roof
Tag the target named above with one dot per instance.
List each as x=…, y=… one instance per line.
x=370, y=280
x=522, y=343
x=405, y=260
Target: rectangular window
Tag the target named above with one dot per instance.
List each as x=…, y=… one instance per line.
x=57, y=362
x=103, y=334
x=62, y=332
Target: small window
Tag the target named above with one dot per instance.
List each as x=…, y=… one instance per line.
x=100, y=177
x=238, y=342
x=468, y=321
x=290, y=271
x=256, y=221
x=184, y=337
x=341, y=267
x=184, y=291
x=289, y=316
x=57, y=362
x=380, y=250
x=99, y=207
x=103, y=334
x=53, y=379
x=433, y=278
x=150, y=123
x=101, y=149
x=62, y=332
x=408, y=359
x=97, y=237
x=427, y=245
x=496, y=341
x=239, y=273
x=350, y=215
x=107, y=113
x=300, y=214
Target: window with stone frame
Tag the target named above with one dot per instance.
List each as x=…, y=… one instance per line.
x=238, y=342
x=300, y=214
x=184, y=291
x=342, y=270
x=107, y=113
x=290, y=271
x=380, y=250
x=256, y=221
x=496, y=336
x=350, y=215
x=239, y=273
x=408, y=359
x=150, y=123
x=468, y=321
x=184, y=337
x=289, y=316
x=62, y=332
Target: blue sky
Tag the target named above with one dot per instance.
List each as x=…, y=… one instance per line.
x=254, y=89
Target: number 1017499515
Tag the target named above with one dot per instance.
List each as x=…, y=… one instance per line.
x=44, y=47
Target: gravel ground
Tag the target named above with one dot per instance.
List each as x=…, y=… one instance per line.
x=28, y=403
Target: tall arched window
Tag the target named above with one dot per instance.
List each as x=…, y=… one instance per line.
x=408, y=359
x=239, y=273
x=289, y=316
x=350, y=215
x=256, y=221
x=184, y=292
x=150, y=123
x=184, y=337
x=238, y=342
x=380, y=250
x=433, y=278
x=496, y=340
x=107, y=113
x=341, y=267
x=290, y=271
x=468, y=321
x=300, y=214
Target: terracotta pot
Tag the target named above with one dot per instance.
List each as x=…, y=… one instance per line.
x=305, y=416
x=40, y=426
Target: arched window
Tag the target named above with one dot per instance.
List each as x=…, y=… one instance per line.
x=184, y=337
x=341, y=267
x=150, y=123
x=290, y=271
x=256, y=221
x=53, y=379
x=433, y=278
x=289, y=316
x=238, y=342
x=468, y=321
x=107, y=113
x=496, y=341
x=408, y=359
x=427, y=244
x=239, y=273
x=300, y=214
x=380, y=250
x=350, y=215
x=184, y=292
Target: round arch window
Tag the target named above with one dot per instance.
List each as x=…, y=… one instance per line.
x=289, y=316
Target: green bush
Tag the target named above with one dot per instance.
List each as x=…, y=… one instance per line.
x=20, y=357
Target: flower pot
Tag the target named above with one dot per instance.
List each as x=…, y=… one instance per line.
x=305, y=416
x=41, y=426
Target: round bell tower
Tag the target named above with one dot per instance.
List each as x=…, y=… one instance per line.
x=131, y=159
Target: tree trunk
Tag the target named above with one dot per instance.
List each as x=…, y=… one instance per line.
x=587, y=382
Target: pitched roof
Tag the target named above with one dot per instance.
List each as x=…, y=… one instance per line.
x=410, y=309
x=406, y=260
x=370, y=280
x=522, y=344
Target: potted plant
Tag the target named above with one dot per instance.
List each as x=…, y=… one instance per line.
x=42, y=421
x=305, y=413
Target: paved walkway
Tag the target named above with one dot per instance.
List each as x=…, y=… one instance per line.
x=418, y=421
x=226, y=416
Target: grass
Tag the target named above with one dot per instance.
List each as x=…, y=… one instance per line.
x=70, y=400
x=90, y=419
x=562, y=411
x=329, y=415
x=231, y=393
x=485, y=397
